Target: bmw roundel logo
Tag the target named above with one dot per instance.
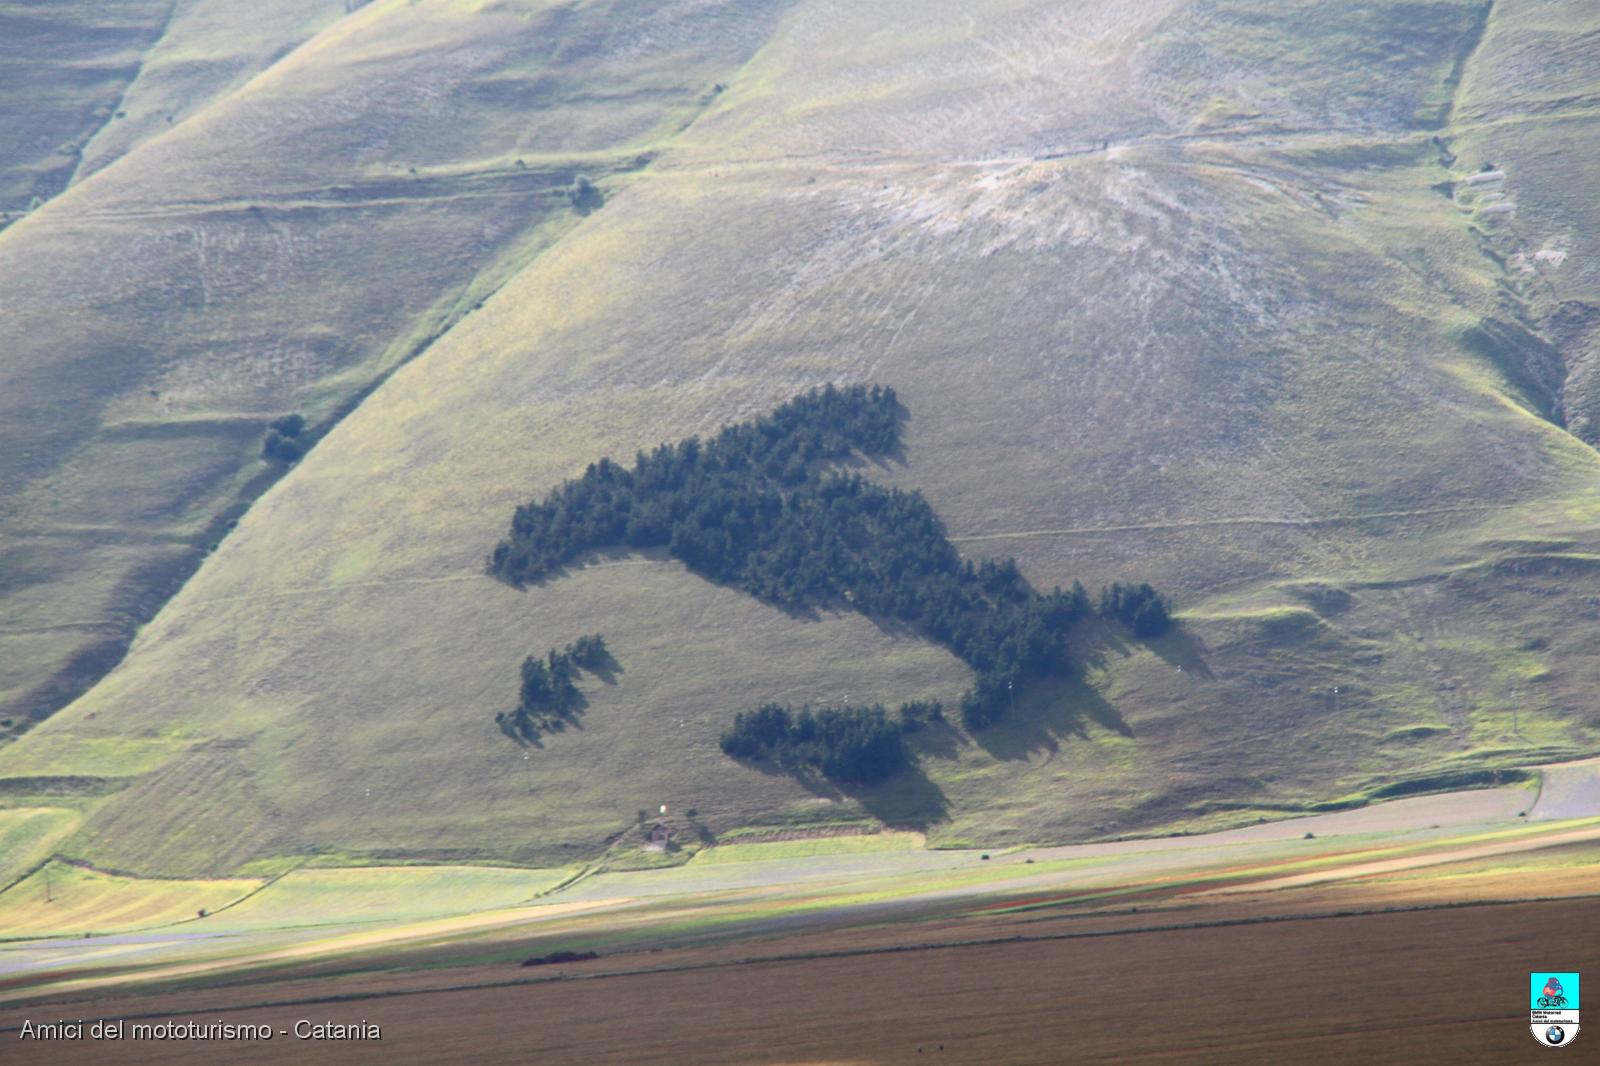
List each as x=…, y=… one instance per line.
x=1555, y=1034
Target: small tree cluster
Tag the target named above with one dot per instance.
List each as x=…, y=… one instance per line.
x=283, y=443
x=590, y=653
x=585, y=194
x=919, y=713
x=1139, y=607
x=852, y=745
x=549, y=696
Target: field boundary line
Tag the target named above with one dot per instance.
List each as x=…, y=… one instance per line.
x=263, y=886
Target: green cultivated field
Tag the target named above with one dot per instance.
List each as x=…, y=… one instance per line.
x=61, y=899
x=341, y=896
x=69, y=900
x=27, y=835
x=318, y=930
x=819, y=846
x=1200, y=294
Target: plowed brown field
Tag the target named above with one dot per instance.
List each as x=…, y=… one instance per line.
x=1420, y=986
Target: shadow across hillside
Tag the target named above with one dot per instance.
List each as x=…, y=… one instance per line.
x=939, y=739
x=606, y=668
x=1049, y=711
x=1180, y=648
x=526, y=727
x=909, y=800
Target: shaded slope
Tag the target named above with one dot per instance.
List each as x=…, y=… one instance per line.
x=207, y=49
x=282, y=250
x=1528, y=108
x=1170, y=296
x=65, y=68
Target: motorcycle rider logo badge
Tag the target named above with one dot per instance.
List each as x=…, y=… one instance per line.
x=1553, y=1007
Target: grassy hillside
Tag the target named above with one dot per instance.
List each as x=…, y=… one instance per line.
x=285, y=243
x=88, y=82
x=65, y=68
x=1528, y=106
x=27, y=836
x=207, y=50
x=1193, y=293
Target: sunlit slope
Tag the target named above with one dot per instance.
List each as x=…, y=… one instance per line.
x=27, y=836
x=60, y=897
x=280, y=250
x=1169, y=293
x=207, y=49
x=86, y=82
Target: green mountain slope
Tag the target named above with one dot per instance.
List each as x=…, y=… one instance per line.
x=281, y=249
x=65, y=68
x=1204, y=294
x=207, y=50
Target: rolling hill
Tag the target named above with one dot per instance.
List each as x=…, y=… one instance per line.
x=1289, y=308
x=205, y=275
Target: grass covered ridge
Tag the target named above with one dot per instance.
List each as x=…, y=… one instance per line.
x=1168, y=292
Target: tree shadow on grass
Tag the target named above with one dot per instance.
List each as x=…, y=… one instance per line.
x=521, y=741
x=545, y=725
x=908, y=800
x=607, y=669
x=938, y=739
x=1050, y=710
x=1180, y=648
x=571, y=718
x=1093, y=640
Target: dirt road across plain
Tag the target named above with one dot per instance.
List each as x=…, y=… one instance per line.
x=1568, y=790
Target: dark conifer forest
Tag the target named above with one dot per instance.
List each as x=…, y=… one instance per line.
x=763, y=507
x=853, y=745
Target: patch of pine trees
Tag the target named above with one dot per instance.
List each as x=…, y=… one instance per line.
x=1139, y=607
x=550, y=697
x=758, y=507
x=285, y=441
x=851, y=745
